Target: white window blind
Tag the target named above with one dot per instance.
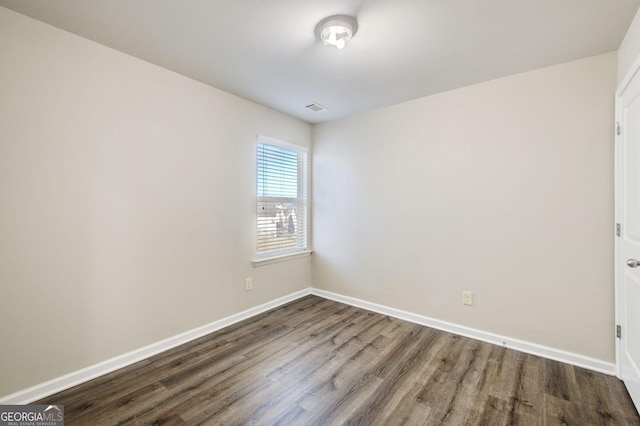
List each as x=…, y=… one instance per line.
x=282, y=198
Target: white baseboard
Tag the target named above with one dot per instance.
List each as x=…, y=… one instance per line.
x=496, y=339
x=67, y=381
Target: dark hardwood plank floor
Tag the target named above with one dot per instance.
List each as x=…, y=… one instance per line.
x=318, y=362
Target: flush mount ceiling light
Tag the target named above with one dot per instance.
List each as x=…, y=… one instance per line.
x=336, y=30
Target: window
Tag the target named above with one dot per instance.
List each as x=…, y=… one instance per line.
x=282, y=198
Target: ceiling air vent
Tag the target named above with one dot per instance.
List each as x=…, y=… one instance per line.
x=315, y=107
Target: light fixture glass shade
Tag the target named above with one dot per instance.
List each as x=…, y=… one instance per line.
x=336, y=30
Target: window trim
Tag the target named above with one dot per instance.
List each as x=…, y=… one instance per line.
x=280, y=258
x=274, y=257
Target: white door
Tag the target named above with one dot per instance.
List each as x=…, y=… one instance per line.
x=628, y=247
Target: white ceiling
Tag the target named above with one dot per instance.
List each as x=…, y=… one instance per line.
x=266, y=51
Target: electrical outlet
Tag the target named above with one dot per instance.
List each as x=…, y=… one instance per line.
x=248, y=284
x=467, y=298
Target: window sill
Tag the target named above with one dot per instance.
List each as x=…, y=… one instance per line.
x=282, y=258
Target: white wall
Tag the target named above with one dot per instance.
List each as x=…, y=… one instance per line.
x=504, y=188
x=630, y=48
x=126, y=203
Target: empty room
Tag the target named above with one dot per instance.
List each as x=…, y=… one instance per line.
x=310, y=212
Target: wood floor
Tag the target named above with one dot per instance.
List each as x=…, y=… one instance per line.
x=318, y=362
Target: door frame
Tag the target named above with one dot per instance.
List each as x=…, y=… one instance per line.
x=618, y=179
